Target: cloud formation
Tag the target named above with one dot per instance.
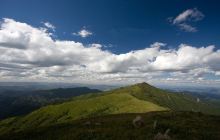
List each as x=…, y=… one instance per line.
x=184, y=19
x=30, y=53
x=49, y=25
x=83, y=33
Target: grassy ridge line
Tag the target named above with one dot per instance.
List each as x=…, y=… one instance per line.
x=174, y=101
x=82, y=108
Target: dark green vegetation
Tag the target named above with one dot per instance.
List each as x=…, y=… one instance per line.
x=139, y=98
x=182, y=125
x=13, y=103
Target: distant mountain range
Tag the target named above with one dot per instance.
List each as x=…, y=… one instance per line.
x=18, y=102
x=30, y=86
x=138, y=98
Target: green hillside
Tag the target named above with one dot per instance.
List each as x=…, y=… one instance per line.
x=173, y=101
x=137, y=98
x=81, y=108
x=182, y=126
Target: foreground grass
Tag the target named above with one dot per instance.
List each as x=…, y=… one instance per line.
x=182, y=125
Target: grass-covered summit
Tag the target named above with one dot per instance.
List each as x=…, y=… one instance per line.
x=138, y=98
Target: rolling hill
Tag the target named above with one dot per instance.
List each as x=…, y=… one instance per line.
x=138, y=98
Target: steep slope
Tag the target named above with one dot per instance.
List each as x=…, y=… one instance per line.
x=137, y=98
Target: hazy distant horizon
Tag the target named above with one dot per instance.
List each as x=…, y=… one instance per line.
x=114, y=85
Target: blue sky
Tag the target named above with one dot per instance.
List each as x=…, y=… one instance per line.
x=126, y=24
x=122, y=26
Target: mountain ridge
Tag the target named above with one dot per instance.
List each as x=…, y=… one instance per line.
x=138, y=98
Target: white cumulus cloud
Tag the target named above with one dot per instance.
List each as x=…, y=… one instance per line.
x=184, y=19
x=83, y=33
x=49, y=25
x=30, y=53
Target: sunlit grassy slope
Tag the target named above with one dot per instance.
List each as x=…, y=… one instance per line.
x=137, y=98
x=173, y=101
